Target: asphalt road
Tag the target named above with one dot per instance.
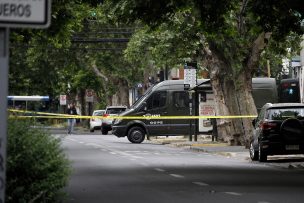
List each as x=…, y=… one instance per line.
x=109, y=169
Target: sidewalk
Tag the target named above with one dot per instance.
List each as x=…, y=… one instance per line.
x=204, y=144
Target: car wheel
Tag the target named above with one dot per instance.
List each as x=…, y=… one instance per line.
x=136, y=135
x=262, y=155
x=91, y=130
x=104, y=131
x=254, y=154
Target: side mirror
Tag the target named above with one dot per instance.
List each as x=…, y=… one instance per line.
x=254, y=122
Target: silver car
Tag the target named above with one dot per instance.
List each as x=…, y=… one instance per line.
x=106, y=124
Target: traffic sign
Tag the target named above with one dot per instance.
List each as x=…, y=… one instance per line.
x=63, y=99
x=25, y=13
x=89, y=95
x=189, y=76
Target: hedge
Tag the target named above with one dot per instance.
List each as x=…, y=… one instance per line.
x=37, y=168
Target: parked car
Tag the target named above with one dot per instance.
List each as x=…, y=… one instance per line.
x=278, y=129
x=95, y=123
x=106, y=124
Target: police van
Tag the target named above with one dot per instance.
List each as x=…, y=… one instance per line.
x=169, y=98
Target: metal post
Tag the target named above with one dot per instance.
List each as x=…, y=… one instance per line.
x=4, y=67
x=268, y=68
x=89, y=112
x=195, y=114
x=190, y=114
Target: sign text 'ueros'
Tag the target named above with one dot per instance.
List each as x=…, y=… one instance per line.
x=25, y=13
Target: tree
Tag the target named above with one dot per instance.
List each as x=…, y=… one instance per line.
x=233, y=35
x=58, y=60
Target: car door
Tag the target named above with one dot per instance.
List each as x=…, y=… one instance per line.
x=157, y=105
x=179, y=107
x=257, y=130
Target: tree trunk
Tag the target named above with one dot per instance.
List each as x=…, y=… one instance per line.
x=121, y=97
x=233, y=90
x=229, y=130
x=244, y=85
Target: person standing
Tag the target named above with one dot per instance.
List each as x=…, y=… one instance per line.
x=71, y=121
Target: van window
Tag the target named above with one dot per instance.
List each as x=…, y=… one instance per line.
x=180, y=99
x=157, y=100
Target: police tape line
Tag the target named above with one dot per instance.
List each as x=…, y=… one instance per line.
x=152, y=117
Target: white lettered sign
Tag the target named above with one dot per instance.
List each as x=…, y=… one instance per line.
x=25, y=13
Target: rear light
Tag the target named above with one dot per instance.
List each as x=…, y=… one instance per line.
x=267, y=125
x=285, y=85
x=105, y=115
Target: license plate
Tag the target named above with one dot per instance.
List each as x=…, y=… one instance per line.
x=292, y=147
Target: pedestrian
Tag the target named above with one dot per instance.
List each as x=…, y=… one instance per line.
x=71, y=121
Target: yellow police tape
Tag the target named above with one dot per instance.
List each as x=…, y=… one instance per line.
x=35, y=114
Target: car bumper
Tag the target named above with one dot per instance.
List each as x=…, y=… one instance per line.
x=119, y=131
x=106, y=126
x=95, y=125
x=279, y=148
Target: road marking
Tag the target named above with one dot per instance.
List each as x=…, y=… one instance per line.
x=94, y=145
x=233, y=193
x=159, y=170
x=176, y=175
x=71, y=139
x=113, y=153
x=200, y=183
x=81, y=142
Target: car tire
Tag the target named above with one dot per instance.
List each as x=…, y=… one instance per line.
x=136, y=135
x=262, y=155
x=254, y=154
x=104, y=131
x=91, y=130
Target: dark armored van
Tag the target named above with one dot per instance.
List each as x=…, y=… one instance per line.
x=169, y=98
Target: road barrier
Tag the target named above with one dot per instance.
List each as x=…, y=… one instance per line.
x=34, y=114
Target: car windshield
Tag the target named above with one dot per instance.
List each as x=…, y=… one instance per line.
x=98, y=113
x=284, y=113
x=115, y=110
x=142, y=98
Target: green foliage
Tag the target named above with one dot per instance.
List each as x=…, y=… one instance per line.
x=229, y=27
x=36, y=165
x=86, y=79
x=45, y=62
x=170, y=44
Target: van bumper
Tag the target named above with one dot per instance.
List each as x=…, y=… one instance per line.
x=119, y=131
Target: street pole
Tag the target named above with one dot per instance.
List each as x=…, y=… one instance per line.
x=195, y=106
x=190, y=114
x=4, y=69
x=268, y=68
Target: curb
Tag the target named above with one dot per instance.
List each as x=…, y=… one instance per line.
x=199, y=147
